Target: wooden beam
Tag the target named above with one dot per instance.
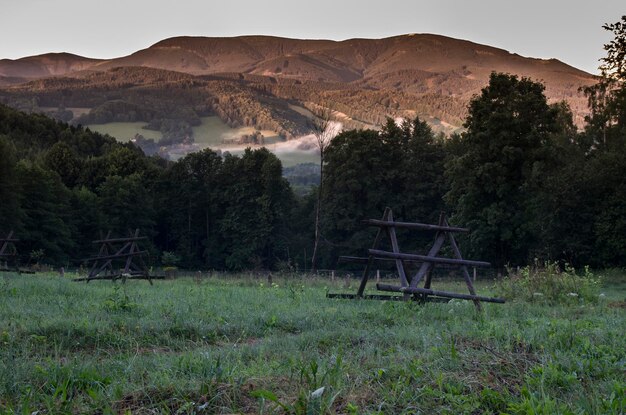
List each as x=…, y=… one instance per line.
x=417, y=290
x=117, y=256
x=411, y=225
x=370, y=260
x=426, y=266
x=391, y=231
x=424, y=258
x=468, y=280
x=115, y=240
x=384, y=297
x=364, y=259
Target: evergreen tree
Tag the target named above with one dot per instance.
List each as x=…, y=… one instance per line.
x=10, y=212
x=503, y=157
x=47, y=223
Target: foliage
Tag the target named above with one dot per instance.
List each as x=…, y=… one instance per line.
x=169, y=258
x=551, y=285
x=521, y=177
x=119, y=300
x=497, y=172
x=400, y=167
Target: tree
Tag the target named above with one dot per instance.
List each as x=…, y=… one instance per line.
x=190, y=207
x=10, y=212
x=62, y=159
x=45, y=203
x=324, y=129
x=502, y=160
x=258, y=202
x=400, y=166
x=607, y=98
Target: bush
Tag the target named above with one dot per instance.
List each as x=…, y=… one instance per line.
x=550, y=284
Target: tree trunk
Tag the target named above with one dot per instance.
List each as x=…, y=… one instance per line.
x=317, y=215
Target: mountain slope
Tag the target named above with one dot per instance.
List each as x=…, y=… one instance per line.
x=365, y=79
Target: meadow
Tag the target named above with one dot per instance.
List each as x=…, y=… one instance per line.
x=242, y=344
x=125, y=131
x=213, y=133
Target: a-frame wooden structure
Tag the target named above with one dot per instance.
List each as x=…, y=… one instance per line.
x=8, y=251
x=123, y=252
x=409, y=284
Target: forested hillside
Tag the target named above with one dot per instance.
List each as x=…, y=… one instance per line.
x=61, y=185
x=267, y=82
x=528, y=183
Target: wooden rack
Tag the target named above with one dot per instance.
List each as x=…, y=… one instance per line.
x=409, y=284
x=122, y=251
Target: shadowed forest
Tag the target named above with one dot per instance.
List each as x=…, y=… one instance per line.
x=530, y=185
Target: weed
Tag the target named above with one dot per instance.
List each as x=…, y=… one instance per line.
x=551, y=285
x=119, y=300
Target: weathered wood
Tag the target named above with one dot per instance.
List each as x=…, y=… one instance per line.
x=128, y=253
x=364, y=259
x=468, y=280
x=116, y=256
x=117, y=240
x=119, y=277
x=426, y=267
x=409, y=287
x=417, y=290
x=411, y=225
x=400, y=266
x=429, y=276
x=370, y=260
x=424, y=258
x=385, y=297
x=4, y=245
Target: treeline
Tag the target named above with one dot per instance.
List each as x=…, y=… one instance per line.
x=529, y=185
x=60, y=186
x=522, y=178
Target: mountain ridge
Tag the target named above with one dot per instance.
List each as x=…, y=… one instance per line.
x=428, y=75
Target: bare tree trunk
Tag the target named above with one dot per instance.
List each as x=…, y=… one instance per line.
x=317, y=215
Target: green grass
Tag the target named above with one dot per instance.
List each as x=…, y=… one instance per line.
x=213, y=131
x=210, y=134
x=124, y=131
x=241, y=345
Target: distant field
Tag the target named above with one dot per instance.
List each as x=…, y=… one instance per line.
x=212, y=134
x=236, y=344
x=124, y=131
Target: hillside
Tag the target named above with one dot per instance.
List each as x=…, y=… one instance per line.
x=268, y=82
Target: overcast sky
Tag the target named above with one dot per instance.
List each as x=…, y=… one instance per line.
x=570, y=31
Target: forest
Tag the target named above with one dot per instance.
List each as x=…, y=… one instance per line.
x=529, y=184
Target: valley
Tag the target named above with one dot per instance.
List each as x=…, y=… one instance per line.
x=198, y=92
x=215, y=134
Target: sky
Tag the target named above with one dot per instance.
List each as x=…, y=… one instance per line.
x=570, y=31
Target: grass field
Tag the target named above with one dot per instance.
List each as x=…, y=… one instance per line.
x=241, y=345
x=124, y=131
x=212, y=133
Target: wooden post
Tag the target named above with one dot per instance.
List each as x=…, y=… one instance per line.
x=370, y=258
x=377, y=276
x=468, y=281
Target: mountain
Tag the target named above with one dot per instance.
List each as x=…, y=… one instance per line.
x=271, y=82
x=41, y=66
